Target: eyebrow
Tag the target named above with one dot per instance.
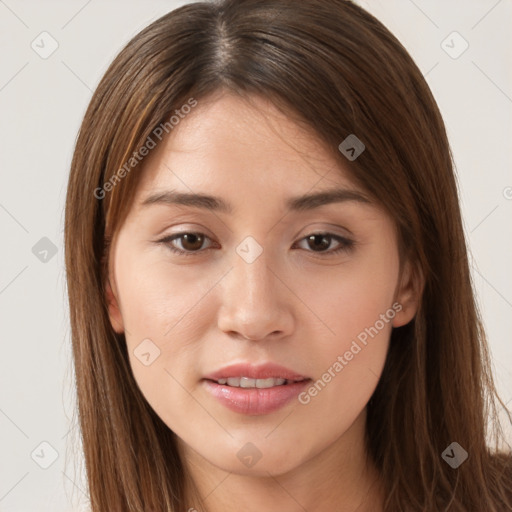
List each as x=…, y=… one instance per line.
x=296, y=204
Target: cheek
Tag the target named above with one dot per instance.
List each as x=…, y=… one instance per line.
x=353, y=299
x=357, y=308
x=159, y=299
x=165, y=310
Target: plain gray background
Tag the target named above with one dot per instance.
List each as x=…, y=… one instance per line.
x=42, y=101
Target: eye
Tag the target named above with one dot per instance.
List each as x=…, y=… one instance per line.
x=318, y=242
x=191, y=242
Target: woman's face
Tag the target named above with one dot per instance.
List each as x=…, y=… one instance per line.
x=273, y=286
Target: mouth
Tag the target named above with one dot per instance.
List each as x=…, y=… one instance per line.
x=248, y=383
x=255, y=390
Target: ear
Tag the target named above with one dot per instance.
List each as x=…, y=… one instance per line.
x=408, y=294
x=114, y=311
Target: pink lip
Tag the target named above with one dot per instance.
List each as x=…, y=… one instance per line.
x=264, y=371
x=255, y=401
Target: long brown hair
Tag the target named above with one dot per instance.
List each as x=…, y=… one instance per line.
x=334, y=67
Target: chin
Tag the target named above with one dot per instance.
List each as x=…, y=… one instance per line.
x=257, y=459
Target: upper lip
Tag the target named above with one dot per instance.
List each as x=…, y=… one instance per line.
x=261, y=371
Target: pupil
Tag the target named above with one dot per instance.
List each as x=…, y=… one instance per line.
x=192, y=239
x=321, y=237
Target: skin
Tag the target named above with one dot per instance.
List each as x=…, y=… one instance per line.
x=294, y=305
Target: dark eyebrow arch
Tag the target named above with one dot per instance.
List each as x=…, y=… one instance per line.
x=296, y=204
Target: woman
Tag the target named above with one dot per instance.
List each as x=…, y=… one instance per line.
x=270, y=296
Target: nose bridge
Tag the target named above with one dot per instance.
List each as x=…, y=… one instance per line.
x=251, y=263
x=253, y=279
x=252, y=301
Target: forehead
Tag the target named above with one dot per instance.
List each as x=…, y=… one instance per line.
x=227, y=144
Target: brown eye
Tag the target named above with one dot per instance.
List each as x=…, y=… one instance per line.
x=190, y=243
x=322, y=243
x=318, y=242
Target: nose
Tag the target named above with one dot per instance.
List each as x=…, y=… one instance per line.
x=256, y=302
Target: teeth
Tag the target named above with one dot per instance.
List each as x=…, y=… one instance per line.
x=268, y=383
x=246, y=382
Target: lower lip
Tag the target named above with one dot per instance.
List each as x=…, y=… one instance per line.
x=253, y=401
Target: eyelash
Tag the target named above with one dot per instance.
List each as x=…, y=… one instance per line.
x=346, y=244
